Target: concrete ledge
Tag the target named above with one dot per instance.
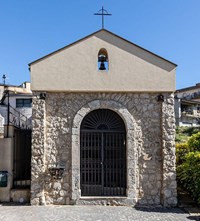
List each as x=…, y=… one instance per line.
x=20, y=195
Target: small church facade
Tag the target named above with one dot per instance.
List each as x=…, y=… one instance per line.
x=103, y=125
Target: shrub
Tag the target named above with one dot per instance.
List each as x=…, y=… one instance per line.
x=181, y=150
x=188, y=174
x=194, y=142
x=181, y=135
x=191, y=130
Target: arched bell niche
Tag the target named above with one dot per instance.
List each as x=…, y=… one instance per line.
x=103, y=60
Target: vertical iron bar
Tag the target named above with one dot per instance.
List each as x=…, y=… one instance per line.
x=97, y=180
x=88, y=157
x=14, y=166
x=86, y=166
x=99, y=164
x=85, y=163
x=92, y=162
x=95, y=162
x=102, y=163
x=110, y=167
x=19, y=120
x=121, y=147
x=113, y=164
x=116, y=163
x=110, y=163
x=81, y=161
x=124, y=164
x=105, y=166
x=118, y=169
x=106, y=146
x=120, y=162
x=88, y=162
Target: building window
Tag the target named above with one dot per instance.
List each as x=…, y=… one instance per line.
x=103, y=60
x=23, y=103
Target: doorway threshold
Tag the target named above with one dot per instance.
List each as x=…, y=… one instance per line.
x=102, y=197
x=105, y=200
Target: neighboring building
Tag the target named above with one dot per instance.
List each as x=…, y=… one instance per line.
x=17, y=100
x=103, y=125
x=15, y=142
x=187, y=106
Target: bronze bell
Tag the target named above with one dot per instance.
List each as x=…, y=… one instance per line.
x=102, y=66
x=102, y=59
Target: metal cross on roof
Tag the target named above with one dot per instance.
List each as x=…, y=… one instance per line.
x=102, y=12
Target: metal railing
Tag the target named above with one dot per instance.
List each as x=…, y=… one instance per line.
x=17, y=119
x=185, y=111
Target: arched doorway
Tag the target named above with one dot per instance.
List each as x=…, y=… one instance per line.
x=103, y=154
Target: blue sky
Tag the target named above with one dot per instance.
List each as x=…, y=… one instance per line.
x=30, y=29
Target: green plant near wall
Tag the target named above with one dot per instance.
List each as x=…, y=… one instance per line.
x=188, y=174
x=184, y=133
x=181, y=150
x=194, y=142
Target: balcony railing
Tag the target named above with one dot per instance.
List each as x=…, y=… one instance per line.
x=187, y=112
x=17, y=119
x=190, y=113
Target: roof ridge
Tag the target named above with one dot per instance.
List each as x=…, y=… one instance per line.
x=94, y=33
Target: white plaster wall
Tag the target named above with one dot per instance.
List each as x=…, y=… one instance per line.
x=1, y=126
x=1, y=91
x=3, y=112
x=177, y=110
x=75, y=68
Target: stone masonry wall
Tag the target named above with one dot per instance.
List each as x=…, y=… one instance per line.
x=38, y=167
x=52, y=141
x=169, y=191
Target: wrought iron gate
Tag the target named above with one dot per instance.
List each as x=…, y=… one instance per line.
x=22, y=159
x=103, y=154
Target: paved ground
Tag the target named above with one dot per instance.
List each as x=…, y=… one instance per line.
x=91, y=213
x=188, y=210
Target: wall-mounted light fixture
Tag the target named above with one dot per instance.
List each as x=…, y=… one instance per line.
x=56, y=172
x=43, y=95
x=160, y=98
